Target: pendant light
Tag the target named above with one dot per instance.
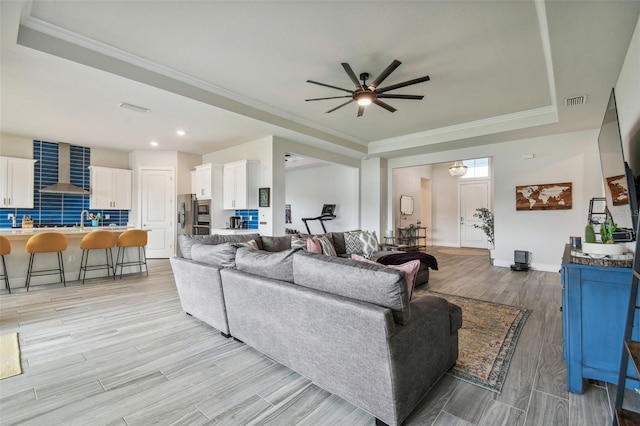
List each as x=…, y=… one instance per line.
x=458, y=169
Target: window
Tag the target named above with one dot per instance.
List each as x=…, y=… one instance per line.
x=477, y=168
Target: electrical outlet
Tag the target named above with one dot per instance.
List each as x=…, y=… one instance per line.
x=107, y=216
x=10, y=216
x=72, y=258
x=250, y=218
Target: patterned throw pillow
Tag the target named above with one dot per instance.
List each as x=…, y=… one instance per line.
x=327, y=246
x=298, y=242
x=352, y=243
x=369, y=242
x=409, y=268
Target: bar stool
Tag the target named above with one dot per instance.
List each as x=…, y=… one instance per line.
x=5, y=248
x=132, y=238
x=46, y=242
x=97, y=240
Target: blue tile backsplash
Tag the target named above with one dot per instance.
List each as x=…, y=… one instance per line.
x=246, y=214
x=60, y=209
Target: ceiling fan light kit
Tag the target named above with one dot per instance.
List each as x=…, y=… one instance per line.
x=365, y=94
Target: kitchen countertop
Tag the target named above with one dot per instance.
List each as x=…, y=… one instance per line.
x=25, y=233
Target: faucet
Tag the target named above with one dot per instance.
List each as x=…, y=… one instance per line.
x=82, y=218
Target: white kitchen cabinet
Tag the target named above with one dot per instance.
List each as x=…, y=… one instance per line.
x=16, y=182
x=110, y=188
x=240, y=185
x=201, y=182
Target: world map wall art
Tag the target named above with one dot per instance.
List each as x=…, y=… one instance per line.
x=551, y=196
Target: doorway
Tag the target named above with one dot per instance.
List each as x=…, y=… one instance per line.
x=157, y=210
x=472, y=196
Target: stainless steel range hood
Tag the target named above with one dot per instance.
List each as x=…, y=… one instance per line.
x=64, y=185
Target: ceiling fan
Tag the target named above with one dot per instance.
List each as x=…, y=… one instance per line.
x=366, y=94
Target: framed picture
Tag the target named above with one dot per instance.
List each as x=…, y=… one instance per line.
x=263, y=197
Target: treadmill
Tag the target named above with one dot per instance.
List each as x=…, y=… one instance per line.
x=327, y=214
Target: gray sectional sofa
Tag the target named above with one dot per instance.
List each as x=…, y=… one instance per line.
x=347, y=326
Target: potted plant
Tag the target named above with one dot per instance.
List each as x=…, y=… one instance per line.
x=486, y=216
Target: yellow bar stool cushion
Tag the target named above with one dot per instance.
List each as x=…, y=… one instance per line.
x=5, y=248
x=97, y=240
x=46, y=242
x=132, y=238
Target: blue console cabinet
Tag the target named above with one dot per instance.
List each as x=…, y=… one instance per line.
x=594, y=310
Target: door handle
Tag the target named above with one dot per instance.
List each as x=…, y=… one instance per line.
x=461, y=220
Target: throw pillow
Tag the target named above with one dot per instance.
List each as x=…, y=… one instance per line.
x=327, y=245
x=410, y=270
x=369, y=242
x=298, y=242
x=251, y=244
x=313, y=245
x=352, y=242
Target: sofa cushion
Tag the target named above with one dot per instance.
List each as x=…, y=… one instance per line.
x=185, y=242
x=276, y=265
x=237, y=238
x=276, y=243
x=252, y=244
x=299, y=242
x=356, y=280
x=338, y=242
x=410, y=270
x=218, y=255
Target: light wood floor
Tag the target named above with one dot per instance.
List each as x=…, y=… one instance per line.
x=123, y=353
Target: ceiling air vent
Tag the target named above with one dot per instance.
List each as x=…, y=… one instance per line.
x=575, y=101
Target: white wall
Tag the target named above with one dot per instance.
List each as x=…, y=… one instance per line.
x=569, y=157
x=373, y=195
x=628, y=101
x=408, y=181
x=308, y=189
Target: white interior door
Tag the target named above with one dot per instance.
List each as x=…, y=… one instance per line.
x=157, y=210
x=472, y=196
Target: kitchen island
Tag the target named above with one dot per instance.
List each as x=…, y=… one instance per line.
x=18, y=261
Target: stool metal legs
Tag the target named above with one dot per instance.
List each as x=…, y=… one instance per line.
x=5, y=275
x=59, y=270
x=142, y=260
x=85, y=259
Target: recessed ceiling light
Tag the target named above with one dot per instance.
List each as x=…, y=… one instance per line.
x=134, y=107
x=153, y=143
x=181, y=132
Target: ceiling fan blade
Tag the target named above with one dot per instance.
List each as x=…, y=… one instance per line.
x=404, y=84
x=385, y=106
x=332, y=97
x=360, y=110
x=340, y=106
x=330, y=86
x=392, y=96
x=352, y=75
x=391, y=68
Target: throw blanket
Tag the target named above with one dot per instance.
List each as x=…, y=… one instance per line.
x=403, y=257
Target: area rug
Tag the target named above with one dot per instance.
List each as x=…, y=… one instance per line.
x=9, y=355
x=486, y=341
x=464, y=252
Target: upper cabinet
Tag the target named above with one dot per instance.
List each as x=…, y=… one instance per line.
x=16, y=182
x=110, y=188
x=201, y=182
x=240, y=185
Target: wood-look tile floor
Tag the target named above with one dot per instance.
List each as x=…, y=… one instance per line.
x=124, y=353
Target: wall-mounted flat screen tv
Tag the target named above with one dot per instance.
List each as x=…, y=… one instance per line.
x=619, y=182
